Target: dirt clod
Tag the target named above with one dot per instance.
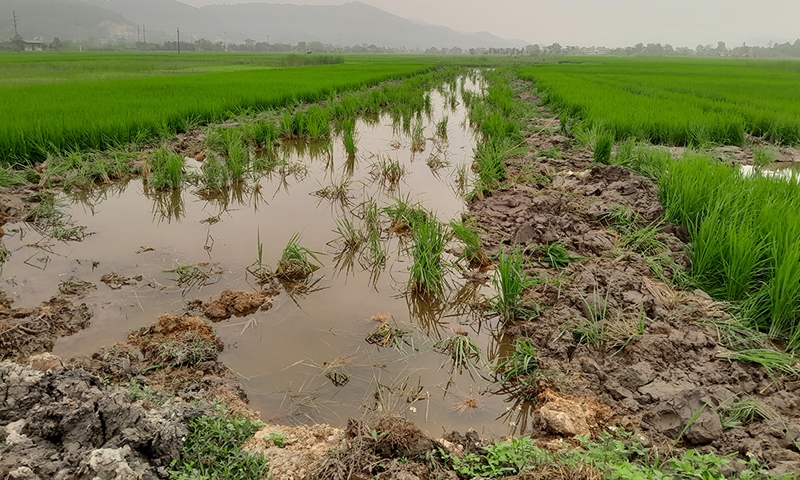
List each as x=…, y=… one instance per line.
x=238, y=304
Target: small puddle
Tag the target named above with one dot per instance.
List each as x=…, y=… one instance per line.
x=782, y=170
x=282, y=354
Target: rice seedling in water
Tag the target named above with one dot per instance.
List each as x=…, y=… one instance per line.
x=490, y=164
x=427, y=275
x=441, y=128
x=405, y=215
x=520, y=363
x=510, y=281
x=166, y=170
x=349, y=136
x=258, y=269
x=461, y=350
x=350, y=238
x=473, y=251
x=297, y=263
x=418, y=142
x=214, y=176
x=388, y=172
x=201, y=274
x=602, y=148
x=387, y=335
x=338, y=191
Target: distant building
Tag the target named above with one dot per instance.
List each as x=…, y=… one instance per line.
x=33, y=46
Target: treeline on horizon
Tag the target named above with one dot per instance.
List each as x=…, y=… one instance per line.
x=777, y=50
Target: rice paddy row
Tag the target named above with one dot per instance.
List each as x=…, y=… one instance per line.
x=98, y=115
x=675, y=101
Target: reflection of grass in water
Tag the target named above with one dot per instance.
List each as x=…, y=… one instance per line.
x=336, y=191
x=388, y=172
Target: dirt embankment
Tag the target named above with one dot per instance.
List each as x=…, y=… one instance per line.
x=651, y=357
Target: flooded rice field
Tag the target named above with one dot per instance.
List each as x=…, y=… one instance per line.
x=318, y=354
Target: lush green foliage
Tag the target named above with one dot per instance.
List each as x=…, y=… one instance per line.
x=213, y=450
x=745, y=235
x=97, y=114
x=676, y=101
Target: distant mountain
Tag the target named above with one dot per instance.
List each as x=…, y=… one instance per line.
x=66, y=19
x=349, y=24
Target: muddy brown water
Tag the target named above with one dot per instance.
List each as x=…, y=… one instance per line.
x=280, y=354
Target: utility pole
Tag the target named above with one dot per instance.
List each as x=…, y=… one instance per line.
x=138, y=33
x=179, y=40
x=15, y=23
x=144, y=33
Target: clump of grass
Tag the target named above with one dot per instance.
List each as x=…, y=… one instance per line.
x=590, y=330
x=258, y=269
x=473, y=251
x=405, y=214
x=645, y=240
x=349, y=136
x=193, y=275
x=510, y=281
x=490, y=164
x=602, y=148
x=297, y=263
x=771, y=360
x=461, y=350
x=214, y=178
x=388, y=172
x=12, y=177
x=213, y=449
x=387, y=335
x=142, y=393
x=5, y=254
x=427, y=275
x=418, y=142
x=520, y=363
x=435, y=162
x=441, y=128
x=338, y=191
x=350, y=238
x=166, y=170
x=740, y=410
x=763, y=156
x=336, y=372
x=556, y=255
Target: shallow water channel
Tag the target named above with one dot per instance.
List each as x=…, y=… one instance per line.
x=281, y=354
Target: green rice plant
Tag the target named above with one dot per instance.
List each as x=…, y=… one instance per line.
x=771, y=360
x=258, y=269
x=602, y=149
x=620, y=217
x=297, y=262
x=462, y=352
x=650, y=162
x=12, y=177
x=645, y=240
x=427, y=275
x=349, y=136
x=388, y=172
x=84, y=170
x=317, y=123
x=405, y=214
x=166, y=170
x=196, y=275
x=521, y=362
x=435, y=162
x=215, y=176
x=339, y=192
x=624, y=153
x=739, y=410
x=418, y=141
x=510, y=282
x=473, y=250
x=350, y=238
x=763, y=156
x=441, y=128
x=587, y=134
x=490, y=164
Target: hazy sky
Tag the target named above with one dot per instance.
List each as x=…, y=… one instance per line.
x=599, y=22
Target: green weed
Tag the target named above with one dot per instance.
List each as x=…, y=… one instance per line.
x=473, y=250
x=510, y=281
x=427, y=275
x=602, y=149
x=167, y=170
x=520, y=363
x=297, y=263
